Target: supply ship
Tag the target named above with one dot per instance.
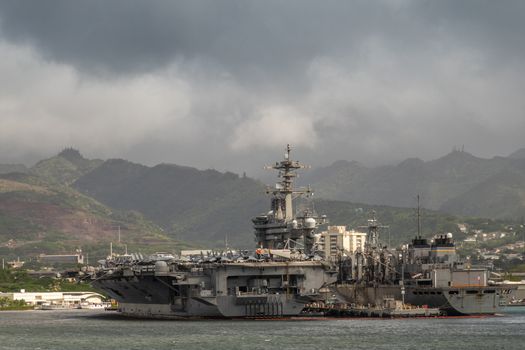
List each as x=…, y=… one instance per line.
x=437, y=278
x=276, y=280
x=423, y=273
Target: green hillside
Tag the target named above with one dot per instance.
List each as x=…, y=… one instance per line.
x=64, y=168
x=68, y=201
x=208, y=206
x=36, y=217
x=203, y=206
x=502, y=195
x=459, y=183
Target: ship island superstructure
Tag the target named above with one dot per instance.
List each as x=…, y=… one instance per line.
x=278, y=279
x=281, y=228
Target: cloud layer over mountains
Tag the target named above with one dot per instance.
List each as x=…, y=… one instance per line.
x=226, y=84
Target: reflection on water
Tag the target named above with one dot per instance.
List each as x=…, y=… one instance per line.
x=89, y=329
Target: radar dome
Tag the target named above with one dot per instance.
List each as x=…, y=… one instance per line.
x=161, y=266
x=309, y=223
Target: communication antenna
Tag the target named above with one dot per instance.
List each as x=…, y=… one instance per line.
x=418, y=218
x=373, y=227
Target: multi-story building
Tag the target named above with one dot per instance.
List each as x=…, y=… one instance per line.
x=337, y=240
x=68, y=299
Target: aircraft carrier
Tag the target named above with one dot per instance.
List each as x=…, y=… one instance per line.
x=287, y=271
x=276, y=280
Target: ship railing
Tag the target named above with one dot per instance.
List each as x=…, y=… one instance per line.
x=260, y=293
x=248, y=294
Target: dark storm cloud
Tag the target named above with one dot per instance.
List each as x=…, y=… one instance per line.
x=128, y=35
x=251, y=37
x=211, y=83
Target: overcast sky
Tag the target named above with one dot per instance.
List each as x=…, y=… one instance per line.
x=226, y=84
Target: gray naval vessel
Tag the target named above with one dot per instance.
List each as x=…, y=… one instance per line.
x=423, y=273
x=437, y=278
x=276, y=280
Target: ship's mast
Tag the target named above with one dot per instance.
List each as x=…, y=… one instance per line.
x=284, y=190
x=418, y=218
x=281, y=228
x=373, y=227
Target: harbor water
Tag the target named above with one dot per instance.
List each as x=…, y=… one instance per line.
x=90, y=329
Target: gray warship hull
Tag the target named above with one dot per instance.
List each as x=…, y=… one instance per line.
x=258, y=289
x=451, y=301
x=458, y=301
x=423, y=273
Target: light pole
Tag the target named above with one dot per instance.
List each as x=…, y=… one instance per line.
x=403, y=278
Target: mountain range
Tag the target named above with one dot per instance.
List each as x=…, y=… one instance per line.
x=458, y=183
x=68, y=201
x=40, y=214
x=198, y=205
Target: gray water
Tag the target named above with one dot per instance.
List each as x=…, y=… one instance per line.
x=85, y=329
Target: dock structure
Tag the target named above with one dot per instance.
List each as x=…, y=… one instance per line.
x=389, y=309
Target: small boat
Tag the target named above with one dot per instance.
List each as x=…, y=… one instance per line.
x=94, y=306
x=53, y=306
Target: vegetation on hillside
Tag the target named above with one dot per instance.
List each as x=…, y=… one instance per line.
x=38, y=217
x=201, y=206
x=68, y=202
x=16, y=280
x=458, y=183
x=65, y=167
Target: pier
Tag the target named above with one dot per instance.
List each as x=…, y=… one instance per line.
x=390, y=309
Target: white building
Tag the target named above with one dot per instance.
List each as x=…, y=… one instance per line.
x=55, y=298
x=15, y=264
x=338, y=240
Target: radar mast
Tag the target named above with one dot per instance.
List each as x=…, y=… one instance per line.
x=281, y=228
x=284, y=190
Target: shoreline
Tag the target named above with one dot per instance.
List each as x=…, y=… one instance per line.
x=17, y=308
